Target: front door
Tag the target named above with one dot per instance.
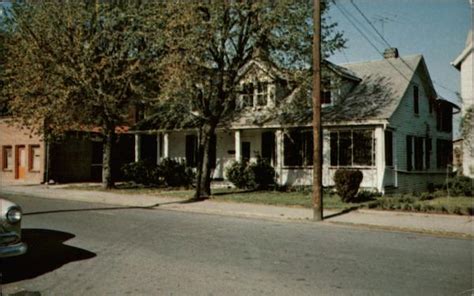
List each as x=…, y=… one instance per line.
x=20, y=162
x=245, y=151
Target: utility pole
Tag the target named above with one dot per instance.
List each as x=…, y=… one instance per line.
x=317, y=137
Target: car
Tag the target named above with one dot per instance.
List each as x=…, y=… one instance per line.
x=10, y=229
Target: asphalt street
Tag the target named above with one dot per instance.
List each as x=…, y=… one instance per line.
x=94, y=249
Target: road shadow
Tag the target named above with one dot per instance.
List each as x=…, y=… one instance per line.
x=108, y=208
x=343, y=212
x=46, y=252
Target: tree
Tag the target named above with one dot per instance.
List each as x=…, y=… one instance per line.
x=81, y=65
x=209, y=43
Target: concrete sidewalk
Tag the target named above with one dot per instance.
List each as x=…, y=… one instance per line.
x=449, y=225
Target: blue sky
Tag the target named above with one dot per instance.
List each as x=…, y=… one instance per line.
x=437, y=29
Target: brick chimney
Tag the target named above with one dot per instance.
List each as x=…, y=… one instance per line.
x=391, y=52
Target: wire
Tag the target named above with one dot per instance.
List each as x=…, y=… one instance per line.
x=344, y=13
x=389, y=45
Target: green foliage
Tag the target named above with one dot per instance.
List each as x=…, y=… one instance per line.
x=239, y=175
x=142, y=172
x=169, y=172
x=460, y=186
x=175, y=174
x=258, y=175
x=364, y=195
x=80, y=65
x=347, y=183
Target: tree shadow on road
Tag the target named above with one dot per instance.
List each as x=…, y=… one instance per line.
x=345, y=211
x=46, y=252
x=108, y=208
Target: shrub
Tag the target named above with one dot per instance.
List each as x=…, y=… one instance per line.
x=175, y=174
x=141, y=172
x=258, y=175
x=426, y=196
x=365, y=195
x=262, y=173
x=238, y=174
x=460, y=186
x=347, y=183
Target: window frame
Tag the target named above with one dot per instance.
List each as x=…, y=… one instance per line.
x=5, y=166
x=416, y=99
x=31, y=158
x=336, y=151
x=300, y=141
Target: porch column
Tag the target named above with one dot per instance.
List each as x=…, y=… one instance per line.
x=238, y=146
x=158, y=148
x=138, y=144
x=279, y=155
x=166, y=145
x=380, y=156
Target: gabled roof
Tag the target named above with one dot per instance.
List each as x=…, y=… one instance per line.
x=383, y=85
x=467, y=50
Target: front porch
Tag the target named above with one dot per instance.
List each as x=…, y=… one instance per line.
x=289, y=151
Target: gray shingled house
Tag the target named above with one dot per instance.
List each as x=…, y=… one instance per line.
x=382, y=117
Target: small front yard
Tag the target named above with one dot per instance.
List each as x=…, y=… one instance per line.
x=448, y=205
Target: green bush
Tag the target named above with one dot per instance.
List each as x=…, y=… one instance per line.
x=347, y=183
x=175, y=174
x=258, y=175
x=262, y=173
x=460, y=186
x=141, y=172
x=238, y=174
x=426, y=196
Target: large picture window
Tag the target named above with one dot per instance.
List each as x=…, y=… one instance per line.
x=352, y=148
x=298, y=147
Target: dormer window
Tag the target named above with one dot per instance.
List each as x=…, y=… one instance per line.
x=326, y=93
x=325, y=97
x=262, y=94
x=247, y=95
x=254, y=94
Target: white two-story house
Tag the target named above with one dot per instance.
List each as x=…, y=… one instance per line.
x=381, y=117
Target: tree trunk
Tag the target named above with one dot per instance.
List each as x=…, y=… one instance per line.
x=203, y=184
x=107, y=181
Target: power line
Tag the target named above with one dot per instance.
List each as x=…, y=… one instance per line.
x=345, y=14
x=389, y=45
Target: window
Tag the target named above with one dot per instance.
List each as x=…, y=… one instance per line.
x=268, y=146
x=325, y=97
x=419, y=153
x=416, y=99
x=7, y=158
x=428, y=153
x=362, y=147
x=325, y=92
x=444, y=152
x=34, y=160
x=388, y=148
x=352, y=148
x=254, y=94
x=298, y=148
x=191, y=150
x=409, y=155
x=247, y=95
x=262, y=94
x=444, y=118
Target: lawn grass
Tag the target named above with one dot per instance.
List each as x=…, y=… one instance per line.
x=451, y=205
